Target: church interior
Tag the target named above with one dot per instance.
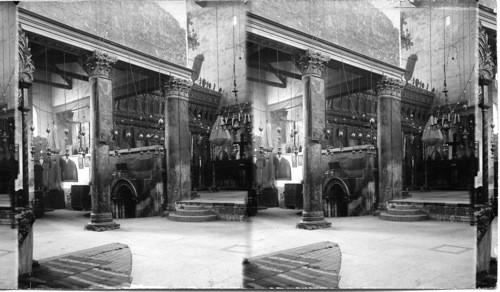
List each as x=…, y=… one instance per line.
x=236, y=107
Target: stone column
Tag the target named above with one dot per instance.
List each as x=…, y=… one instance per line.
x=97, y=65
x=312, y=65
x=26, y=72
x=178, y=143
x=389, y=140
x=485, y=125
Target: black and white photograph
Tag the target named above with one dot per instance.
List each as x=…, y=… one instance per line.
x=248, y=144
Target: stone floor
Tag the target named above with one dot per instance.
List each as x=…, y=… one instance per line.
x=375, y=253
x=8, y=257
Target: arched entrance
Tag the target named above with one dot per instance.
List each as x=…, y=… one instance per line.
x=336, y=199
x=123, y=200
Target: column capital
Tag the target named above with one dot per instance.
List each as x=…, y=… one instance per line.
x=98, y=64
x=26, y=66
x=177, y=88
x=390, y=87
x=311, y=63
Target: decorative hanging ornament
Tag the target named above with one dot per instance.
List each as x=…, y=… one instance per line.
x=66, y=131
x=261, y=129
x=32, y=128
x=278, y=129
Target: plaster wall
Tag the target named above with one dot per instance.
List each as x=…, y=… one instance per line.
x=148, y=26
x=362, y=26
x=444, y=35
x=214, y=25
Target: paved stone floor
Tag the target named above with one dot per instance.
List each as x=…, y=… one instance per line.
x=375, y=253
x=8, y=257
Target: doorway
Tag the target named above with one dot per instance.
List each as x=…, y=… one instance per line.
x=124, y=202
x=336, y=200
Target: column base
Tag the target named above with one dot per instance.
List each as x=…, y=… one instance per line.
x=313, y=220
x=101, y=226
x=312, y=225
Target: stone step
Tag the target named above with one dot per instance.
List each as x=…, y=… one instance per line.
x=188, y=212
x=404, y=207
x=5, y=222
x=190, y=207
x=182, y=218
x=5, y=200
x=403, y=218
x=5, y=213
x=392, y=211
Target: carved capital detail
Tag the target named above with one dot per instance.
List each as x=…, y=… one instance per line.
x=177, y=88
x=98, y=64
x=486, y=64
x=26, y=66
x=311, y=63
x=390, y=87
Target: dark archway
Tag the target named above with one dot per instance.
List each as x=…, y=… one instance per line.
x=336, y=199
x=124, y=200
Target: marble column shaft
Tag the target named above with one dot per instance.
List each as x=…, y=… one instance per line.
x=312, y=65
x=178, y=142
x=98, y=66
x=484, y=106
x=389, y=140
x=26, y=75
